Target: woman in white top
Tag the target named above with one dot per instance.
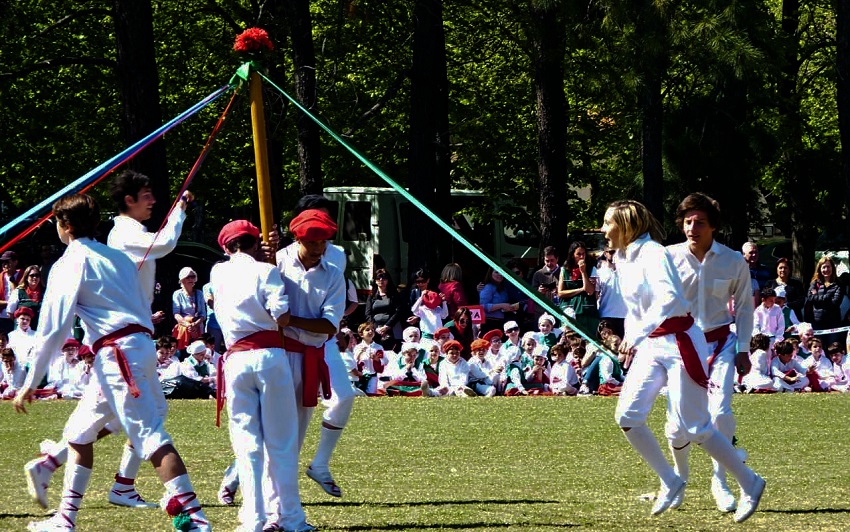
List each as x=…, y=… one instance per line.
x=668, y=350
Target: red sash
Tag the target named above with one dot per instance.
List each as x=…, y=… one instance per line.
x=123, y=366
x=257, y=340
x=315, y=371
x=719, y=335
x=678, y=326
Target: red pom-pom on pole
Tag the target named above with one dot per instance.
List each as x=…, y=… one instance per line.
x=253, y=40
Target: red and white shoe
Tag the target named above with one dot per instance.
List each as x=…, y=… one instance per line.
x=126, y=495
x=325, y=481
x=38, y=479
x=57, y=523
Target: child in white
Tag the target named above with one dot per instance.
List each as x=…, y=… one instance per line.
x=62, y=372
x=537, y=376
x=768, y=318
x=22, y=339
x=370, y=357
x=13, y=374
x=484, y=369
x=759, y=377
x=196, y=366
x=788, y=374
x=431, y=311
x=454, y=373
x=838, y=380
x=818, y=367
x=562, y=377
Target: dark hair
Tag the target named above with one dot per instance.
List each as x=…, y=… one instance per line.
x=79, y=214
x=603, y=324
x=207, y=338
x=127, y=183
x=568, y=262
x=767, y=292
x=421, y=273
x=25, y=276
x=783, y=348
x=815, y=339
x=699, y=202
x=760, y=341
x=391, y=287
x=312, y=201
x=241, y=243
x=557, y=350
x=459, y=314
x=4, y=336
x=164, y=342
x=7, y=352
x=550, y=250
x=834, y=347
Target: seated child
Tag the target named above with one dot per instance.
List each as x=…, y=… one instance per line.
x=370, y=358
x=454, y=374
x=806, y=333
x=516, y=365
x=406, y=378
x=788, y=315
x=838, y=380
x=495, y=352
x=787, y=372
x=513, y=342
x=562, y=378
x=818, y=366
x=167, y=362
x=610, y=368
x=767, y=318
x=431, y=311
x=537, y=375
x=85, y=370
x=212, y=355
x=484, y=369
x=345, y=341
x=431, y=367
x=759, y=378
x=13, y=374
x=547, y=335
x=23, y=337
x=196, y=366
x=63, y=372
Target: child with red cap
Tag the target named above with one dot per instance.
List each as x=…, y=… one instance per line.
x=454, y=373
x=22, y=338
x=431, y=311
x=484, y=371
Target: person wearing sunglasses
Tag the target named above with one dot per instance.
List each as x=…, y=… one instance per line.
x=419, y=282
x=461, y=329
x=384, y=309
x=28, y=294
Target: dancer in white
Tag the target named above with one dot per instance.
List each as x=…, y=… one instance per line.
x=669, y=349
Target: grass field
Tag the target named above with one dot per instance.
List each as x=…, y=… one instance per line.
x=542, y=463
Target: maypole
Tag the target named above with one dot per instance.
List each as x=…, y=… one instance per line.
x=252, y=42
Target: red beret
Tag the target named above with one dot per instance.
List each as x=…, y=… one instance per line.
x=431, y=299
x=479, y=343
x=489, y=335
x=313, y=225
x=84, y=350
x=24, y=311
x=452, y=343
x=71, y=342
x=441, y=331
x=235, y=229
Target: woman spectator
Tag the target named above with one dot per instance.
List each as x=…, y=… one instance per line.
x=189, y=309
x=824, y=301
x=577, y=289
x=461, y=328
x=385, y=310
x=28, y=294
x=419, y=282
x=450, y=287
x=795, y=292
x=495, y=299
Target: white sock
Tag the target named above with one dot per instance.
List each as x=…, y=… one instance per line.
x=680, y=460
x=644, y=442
x=231, y=477
x=719, y=447
x=58, y=451
x=129, y=466
x=327, y=443
x=76, y=481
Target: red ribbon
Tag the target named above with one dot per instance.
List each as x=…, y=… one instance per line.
x=693, y=364
x=315, y=371
x=257, y=340
x=719, y=335
x=110, y=340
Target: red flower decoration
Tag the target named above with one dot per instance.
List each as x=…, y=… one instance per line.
x=252, y=40
x=174, y=507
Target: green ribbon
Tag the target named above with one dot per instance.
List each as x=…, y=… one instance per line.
x=507, y=274
x=243, y=73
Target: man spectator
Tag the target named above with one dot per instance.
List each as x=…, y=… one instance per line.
x=9, y=278
x=545, y=280
x=758, y=273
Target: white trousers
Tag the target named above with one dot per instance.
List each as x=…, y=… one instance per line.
x=656, y=364
x=263, y=430
x=142, y=418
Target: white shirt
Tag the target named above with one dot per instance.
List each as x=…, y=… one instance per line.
x=22, y=342
x=708, y=286
x=132, y=237
x=481, y=369
x=189, y=370
x=13, y=378
x=563, y=377
x=315, y=293
x=430, y=319
x=9, y=285
x=61, y=374
x=760, y=361
x=611, y=303
x=651, y=288
x=778, y=369
x=769, y=321
x=823, y=367
x=249, y=297
x=453, y=375
x=95, y=282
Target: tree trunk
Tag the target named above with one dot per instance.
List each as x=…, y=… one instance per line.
x=842, y=37
x=429, y=178
x=549, y=48
x=139, y=83
x=304, y=62
x=652, y=65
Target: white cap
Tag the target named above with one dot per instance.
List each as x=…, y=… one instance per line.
x=547, y=317
x=408, y=333
x=407, y=346
x=780, y=291
x=196, y=348
x=186, y=272
x=510, y=325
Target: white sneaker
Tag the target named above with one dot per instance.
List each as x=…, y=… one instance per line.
x=750, y=501
x=666, y=495
x=325, y=481
x=126, y=495
x=491, y=392
x=38, y=479
x=678, y=499
x=722, y=496
x=55, y=524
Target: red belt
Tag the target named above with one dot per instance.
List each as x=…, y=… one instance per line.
x=678, y=326
x=123, y=366
x=315, y=371
x=257, y=340
x=719, y=335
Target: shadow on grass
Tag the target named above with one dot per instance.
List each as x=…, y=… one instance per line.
x=24, y=516
x=427, y=503
x=808, y=511
x=456, y=526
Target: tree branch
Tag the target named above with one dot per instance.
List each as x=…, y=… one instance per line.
x=50, y=64
x=76, y=14
x=391, y=92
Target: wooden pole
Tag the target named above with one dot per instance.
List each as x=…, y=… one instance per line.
x=261, y=157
